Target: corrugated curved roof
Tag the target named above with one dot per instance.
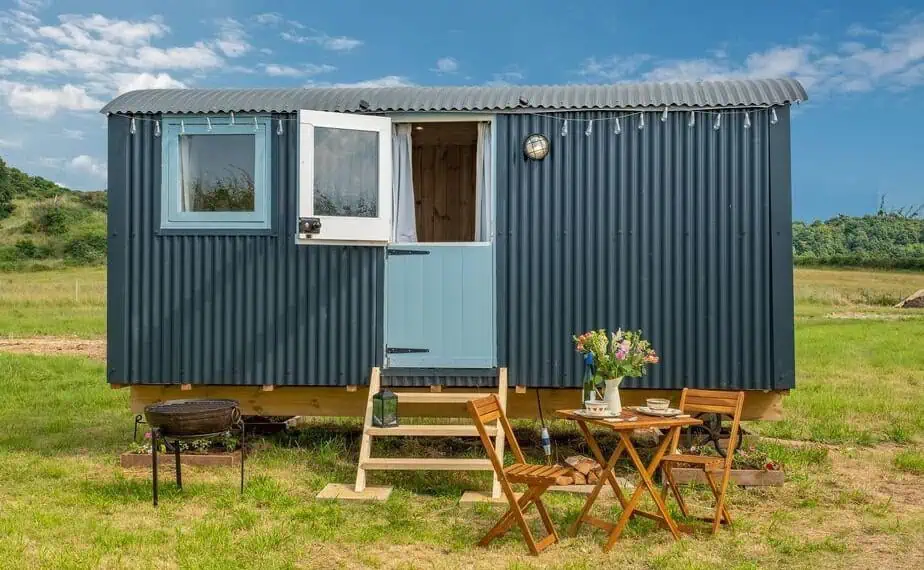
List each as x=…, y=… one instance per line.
x=730, y=93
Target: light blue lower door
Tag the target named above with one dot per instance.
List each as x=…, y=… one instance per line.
x=439, y=306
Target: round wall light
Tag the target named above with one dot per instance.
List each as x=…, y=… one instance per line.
x=536, y=147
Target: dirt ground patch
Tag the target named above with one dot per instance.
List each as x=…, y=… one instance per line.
x=868, y=470
x=859, y=315
x=56, y=346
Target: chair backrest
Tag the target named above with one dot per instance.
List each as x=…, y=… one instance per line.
x=488, y=409
x=716, y=402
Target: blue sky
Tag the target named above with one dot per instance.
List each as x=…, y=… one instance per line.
x=862, y=62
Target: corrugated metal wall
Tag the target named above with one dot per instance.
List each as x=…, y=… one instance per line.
x=683, y=232
x=231, y=309
x=667, y=229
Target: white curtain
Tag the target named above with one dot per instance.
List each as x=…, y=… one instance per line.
x=187, y=174
x=404, y=227
x=484, y=185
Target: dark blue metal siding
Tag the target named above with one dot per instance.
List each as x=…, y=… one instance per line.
x=666, y=229
x=232, y=309
x=682, y=232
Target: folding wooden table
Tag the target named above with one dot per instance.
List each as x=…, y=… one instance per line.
x=624, y=425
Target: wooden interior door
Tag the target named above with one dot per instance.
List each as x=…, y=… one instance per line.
x=443, y=159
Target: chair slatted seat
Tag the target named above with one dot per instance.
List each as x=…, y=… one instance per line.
x=537, y=478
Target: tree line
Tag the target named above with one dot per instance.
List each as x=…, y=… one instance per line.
x=890, y=238
x=15, y=183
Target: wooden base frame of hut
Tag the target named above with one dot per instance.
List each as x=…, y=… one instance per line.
x=351, y=402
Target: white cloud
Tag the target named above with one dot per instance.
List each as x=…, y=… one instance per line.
x=279, y=70
x=613, y=68
x=45, y=102
x=232, y=39
x=25, y=17
x=74, y=134
x=32, y=5
x=100, y=35
x=88, y=165
x=332, y=43
x=134, y=81
x=276, y=70
x=893, y=59
x=269, y=18
x=446, y=65
x=10, y=143
x=508, y=77
x=34, y=62
x=340, y=43
x=197, y=56
x=386, y=81
x=51, y=162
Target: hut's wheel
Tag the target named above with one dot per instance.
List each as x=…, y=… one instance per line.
x=710, y=432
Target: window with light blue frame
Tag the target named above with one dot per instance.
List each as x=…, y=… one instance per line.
x=216, y=173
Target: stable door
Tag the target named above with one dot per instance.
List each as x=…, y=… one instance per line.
x=439, y=305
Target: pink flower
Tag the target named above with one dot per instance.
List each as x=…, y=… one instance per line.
x=625, y=346
x=621, y=354
x=147, y=435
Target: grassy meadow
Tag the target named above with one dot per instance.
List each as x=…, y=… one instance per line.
x=851, y=442
x=68, y=302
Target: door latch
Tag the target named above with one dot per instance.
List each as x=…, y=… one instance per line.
x=308, y=227
x=396, y=350
x=389, y=252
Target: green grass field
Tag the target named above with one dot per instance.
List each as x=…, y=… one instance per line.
x=852, y=443
x=67, y=302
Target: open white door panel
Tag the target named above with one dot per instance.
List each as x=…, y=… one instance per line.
x=345, y=170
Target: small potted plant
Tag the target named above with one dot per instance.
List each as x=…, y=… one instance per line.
x=615, y=356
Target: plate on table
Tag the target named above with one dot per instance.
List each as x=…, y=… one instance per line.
x=604, y=415
x=668, y=413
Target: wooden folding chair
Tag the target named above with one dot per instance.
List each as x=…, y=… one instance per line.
x=717, y=402
x=537, y=478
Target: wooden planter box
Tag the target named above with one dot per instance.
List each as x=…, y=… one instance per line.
x=133, y=460
x=741, y=477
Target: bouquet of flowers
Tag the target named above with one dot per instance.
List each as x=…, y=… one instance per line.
x=618, y=354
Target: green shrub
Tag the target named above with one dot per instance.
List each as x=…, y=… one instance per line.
x=56, y=218
x=86, y=249
x=98, y=201
x=8, y=255
x=6, y=192
x=881, y=237
x=27, y=249
x=867, y=261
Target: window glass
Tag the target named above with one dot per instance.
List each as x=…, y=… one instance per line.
x=217, y=173
x=346, y=172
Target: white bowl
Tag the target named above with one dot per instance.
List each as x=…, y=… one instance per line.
x=658, y=404
x=596, y=407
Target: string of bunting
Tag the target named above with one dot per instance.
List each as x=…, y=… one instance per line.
x=617, y=120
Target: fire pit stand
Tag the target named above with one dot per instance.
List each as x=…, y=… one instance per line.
x=156, y=435
x=184, y=420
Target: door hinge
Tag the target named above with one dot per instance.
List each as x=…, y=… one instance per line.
x=389, y=252
x=396, y=350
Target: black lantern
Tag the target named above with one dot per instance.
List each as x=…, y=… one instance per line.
x=385, y=408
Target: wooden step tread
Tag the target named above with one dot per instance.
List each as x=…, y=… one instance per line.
x=437, y=397
x=436, y=464
x=430, y=431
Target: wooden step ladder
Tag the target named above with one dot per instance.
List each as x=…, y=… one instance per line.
x=369, y=463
